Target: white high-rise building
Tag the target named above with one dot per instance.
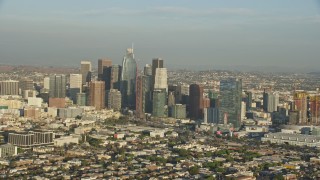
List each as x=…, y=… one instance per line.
x=76, y=81
x=85, y=70
x=46, y=83
x=75, y=86
x=161, y=79
x=243, y=110
x=273, y=102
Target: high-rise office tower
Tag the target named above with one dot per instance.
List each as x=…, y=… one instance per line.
x=9, y=87
x=156, y=63
x=114, y=99
x=147, y=70
x=161, y=78
x=128, y=79
x=86, y=70
x=115, y=77
x=159, y=103
x=97, y=94
x=171, y=99
x=46, y=83
x=57, y=86
x=179, y=111
x=111, y=77
x=143, y=95
x=103, y=63
x=81, y=99
x=248, y=100
x=314, y=108
x=182, y=94
x=301, y=106
x=196, y=101
x=273, y=102
x=230, y=102
x=211, y=115
x=270, y=101
x=75, y=86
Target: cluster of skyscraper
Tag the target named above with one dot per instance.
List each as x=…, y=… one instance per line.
x=147, y=93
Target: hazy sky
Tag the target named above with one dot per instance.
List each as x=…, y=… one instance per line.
x=189, y=33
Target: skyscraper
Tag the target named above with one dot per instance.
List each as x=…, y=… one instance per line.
x=196, y=101
x=97, y=94
x=128, y=79
x=114, y=99
x=111, y=77
x=230, y=104
x=143, y=95
x=248, y=100
x=161, y=78
x=300, y=105
x=75, y=86
x=147, y=70
x=103, y=63
x=270, y=101
x=159, y=103
x=85, y=70
x=156, y=63
x=46, y=83
x=57, y=86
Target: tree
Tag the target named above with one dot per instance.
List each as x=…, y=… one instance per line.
x=194, y=170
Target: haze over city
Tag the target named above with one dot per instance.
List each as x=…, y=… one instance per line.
x=209, y=34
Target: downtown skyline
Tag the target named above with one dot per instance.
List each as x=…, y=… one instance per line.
x=207, y=35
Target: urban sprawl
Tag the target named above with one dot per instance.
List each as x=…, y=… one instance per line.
x=125, y=122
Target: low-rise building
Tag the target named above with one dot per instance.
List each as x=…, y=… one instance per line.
x=8, y=150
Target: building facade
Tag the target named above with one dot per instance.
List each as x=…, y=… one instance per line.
x=9, y=87
x=103, y=63
x=114, y=99
x=230, y=102
x=97, y=94
x=196, y=101
x=143, y=95
x=85, y=71
x=128, y=80
x=159, y=103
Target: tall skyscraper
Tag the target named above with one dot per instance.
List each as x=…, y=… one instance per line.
x=75, y=86
x=103, y=63
x=211, y=115
x=161, y=78
x=46, y=83
x=196, y=101
x=128, y=79
x=86, y=70
x=57, y=86
x=114, y=99
x=143, y=95
x=301, y=106
x=156, y=63
x=9, y=87
x=182, y=93
x=248, y=100
x=179, y=111
x=270, y=101
x=147, y=70
x=159, y=103
x=97, y=94
x=111, y=76
x=230, y=104
x=314, y=107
